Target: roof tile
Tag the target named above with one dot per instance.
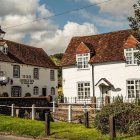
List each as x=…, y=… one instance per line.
x=107, y=47
x=24, y=54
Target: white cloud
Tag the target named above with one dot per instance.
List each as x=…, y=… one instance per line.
x=20, y=7
x=60, y=39
x=16, y=13
x=118, y=7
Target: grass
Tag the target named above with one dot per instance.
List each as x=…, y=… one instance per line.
x=22, y=127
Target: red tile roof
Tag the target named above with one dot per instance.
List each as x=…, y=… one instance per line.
x=106, y=47
x=24, y=54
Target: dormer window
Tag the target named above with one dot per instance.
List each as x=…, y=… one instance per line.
x=3, y=47
x=82, y=60
x=83, y=53
x=130, y=56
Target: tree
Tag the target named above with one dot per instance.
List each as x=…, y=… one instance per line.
x=135, y=26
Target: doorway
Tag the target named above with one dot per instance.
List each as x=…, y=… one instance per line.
x=44, y=91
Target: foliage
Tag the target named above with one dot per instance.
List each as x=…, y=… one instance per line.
x=134, y=128
x=124, y=113
x=56, y=58
x=135, y=25
x=118, y=99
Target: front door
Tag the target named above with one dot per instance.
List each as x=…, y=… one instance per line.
x=105, y=91
x=44, y=91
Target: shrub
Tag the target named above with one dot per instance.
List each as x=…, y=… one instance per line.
x=124, y=113
x=134, y=128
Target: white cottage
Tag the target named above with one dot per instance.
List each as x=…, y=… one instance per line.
x=25, y=70
x=100, y=65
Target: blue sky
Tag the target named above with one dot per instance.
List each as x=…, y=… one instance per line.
x=54, y=34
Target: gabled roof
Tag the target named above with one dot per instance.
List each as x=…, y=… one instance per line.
x=107, y=47
x=104, y=81
x=24, y=54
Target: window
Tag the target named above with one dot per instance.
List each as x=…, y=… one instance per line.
x=36, y=73
x=133, y=88
x=52, y=91
x=36, y=90
x=52, y=75
x=83, y=90
x=16, y=91
x=16, y=71
x=82, y=60
x=5, y=50
x=130, y=56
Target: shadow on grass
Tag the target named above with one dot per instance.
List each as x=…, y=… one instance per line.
x=53, y=133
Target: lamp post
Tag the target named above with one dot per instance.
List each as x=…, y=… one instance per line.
x=2, y=33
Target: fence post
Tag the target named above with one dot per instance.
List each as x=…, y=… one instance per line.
x=13, y=110
x=17, y=112
x=112, y=127
x=47, y=124
x=85, y=110
x=69, y=113
x=86, y=120
x=33, y=111
x=53, y=106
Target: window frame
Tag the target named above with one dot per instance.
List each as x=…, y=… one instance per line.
x=52, y=75
x=133, y=87
x=5, y=50
x=16, y=71
x=36, y=90
x=36, y=73
x=13, y=89
x=82, y=60
x=52, y=91
x=83, y=95
x=130, y=56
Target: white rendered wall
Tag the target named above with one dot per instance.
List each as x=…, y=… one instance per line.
x=43, y=81
x=116, y=73
x=71, y=75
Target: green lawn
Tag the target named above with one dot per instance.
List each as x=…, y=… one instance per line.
x=17, y=126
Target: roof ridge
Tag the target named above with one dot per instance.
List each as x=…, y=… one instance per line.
x=22, y=44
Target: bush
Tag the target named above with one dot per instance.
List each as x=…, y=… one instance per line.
x=124, y=113
x=134, y=128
